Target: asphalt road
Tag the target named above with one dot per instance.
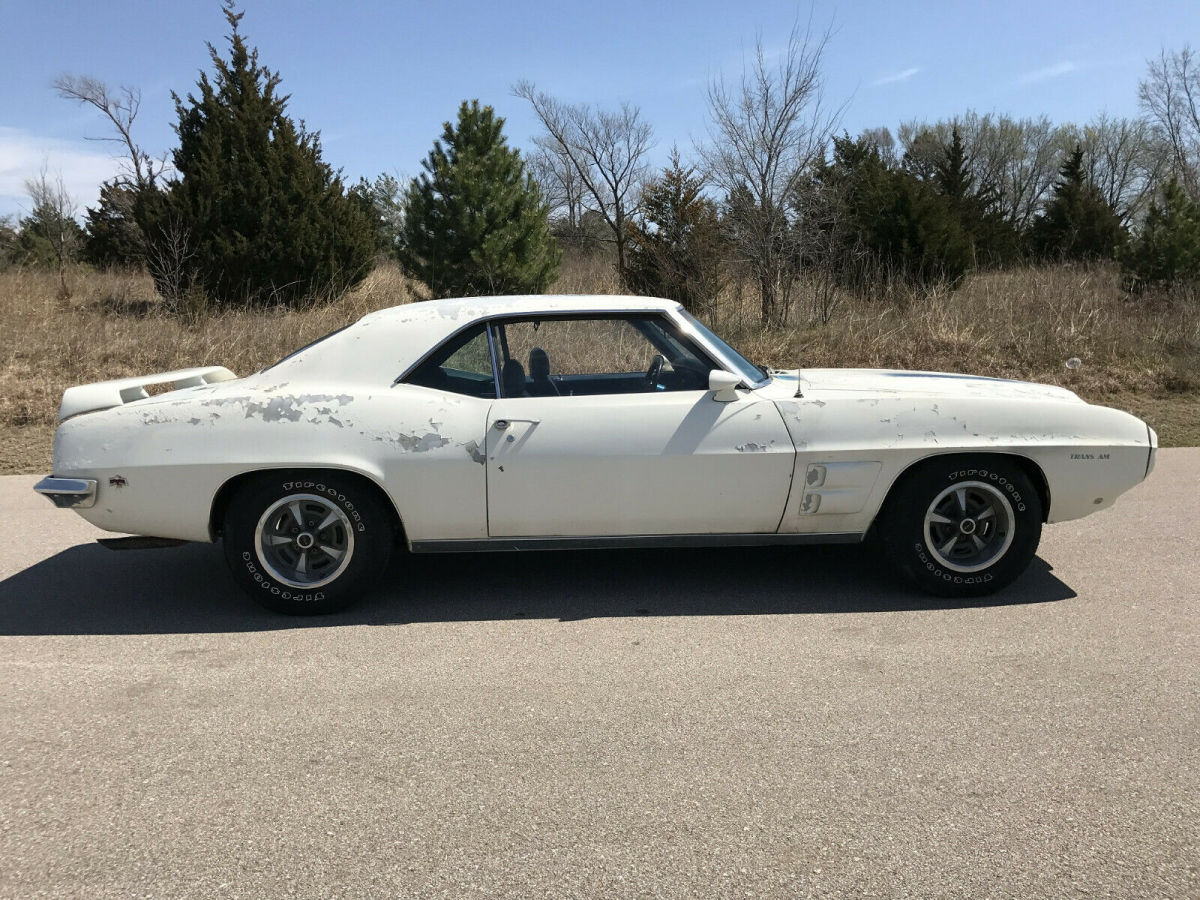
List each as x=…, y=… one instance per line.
x=700, y=723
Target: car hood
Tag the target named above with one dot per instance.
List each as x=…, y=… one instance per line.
x=898, y=384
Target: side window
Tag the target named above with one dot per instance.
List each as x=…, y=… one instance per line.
x=558, y=357
x=463, y=365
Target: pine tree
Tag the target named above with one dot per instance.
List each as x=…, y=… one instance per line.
x=676, y=244
x=113, y=237
x=993, y=239
x=1166, y=251
x=8, y=243
x=474, y=221
x=383, y=202
x=891, y=224
x=47, y=238
x=951, y=174
x=256, y=216
x=1077, y=223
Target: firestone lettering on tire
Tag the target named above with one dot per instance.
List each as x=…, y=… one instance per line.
x=947, y=576
x=1000, y=480
x=320, y=488
x=273, y=589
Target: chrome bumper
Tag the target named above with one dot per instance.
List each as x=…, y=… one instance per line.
x=68, y=493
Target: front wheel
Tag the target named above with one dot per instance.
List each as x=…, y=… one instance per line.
x=962, y=527
x=306, y=543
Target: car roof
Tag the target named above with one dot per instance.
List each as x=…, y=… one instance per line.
x=386, y=343
x=467, y=309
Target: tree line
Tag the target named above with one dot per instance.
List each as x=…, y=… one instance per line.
x=248, y=212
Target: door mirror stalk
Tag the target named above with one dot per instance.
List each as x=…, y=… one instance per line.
x=723, y=385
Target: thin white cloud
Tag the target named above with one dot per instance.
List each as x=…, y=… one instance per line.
x=1055, y=71
x=22, y=155
x=897, y=76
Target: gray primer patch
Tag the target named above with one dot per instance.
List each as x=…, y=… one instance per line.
x=751, y=448
x=472, y=449
x=286, y=408
x=279, y=409
x=414, y=444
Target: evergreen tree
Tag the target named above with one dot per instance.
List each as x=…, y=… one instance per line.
x=891, y=224
x=47, y=238
x=950, y=173
x=676, y=244
x=474, y=221
x=993, y=239
x=256, y=215
x=113, y=237
x=382, y=200
x=1167, y=249
x=8, y=243
x=1077, y=223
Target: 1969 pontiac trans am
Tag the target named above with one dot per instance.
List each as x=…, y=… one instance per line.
x=515, y=423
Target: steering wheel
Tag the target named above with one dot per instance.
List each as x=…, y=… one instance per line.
x=652, y=373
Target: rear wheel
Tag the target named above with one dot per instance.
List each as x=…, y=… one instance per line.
x=306, y=543
x=962, y=527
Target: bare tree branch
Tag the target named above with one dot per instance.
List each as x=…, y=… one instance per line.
x=1170, y=95
x=121, y=109
x=606, y=149
x=54, y=209
x=766, y=133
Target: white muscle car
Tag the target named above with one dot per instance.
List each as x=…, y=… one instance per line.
x=515, y=423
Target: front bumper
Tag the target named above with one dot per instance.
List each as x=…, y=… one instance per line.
x=68, y=493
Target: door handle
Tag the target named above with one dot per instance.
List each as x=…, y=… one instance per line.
x=502, y=424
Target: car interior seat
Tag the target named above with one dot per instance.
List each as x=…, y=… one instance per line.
x=539, y=372
x=513, y=378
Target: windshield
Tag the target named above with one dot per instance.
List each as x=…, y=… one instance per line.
x=742, y=366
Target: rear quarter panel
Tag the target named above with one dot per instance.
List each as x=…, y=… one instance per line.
x=159, y=463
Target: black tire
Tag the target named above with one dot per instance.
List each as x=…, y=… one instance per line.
x=307, y=543
x=962, y=526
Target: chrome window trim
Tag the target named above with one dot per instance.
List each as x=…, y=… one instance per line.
x=688, y=329
x=669, y=315
x=491, y=336
x=486, y=322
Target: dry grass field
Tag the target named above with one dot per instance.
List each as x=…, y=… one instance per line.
x=1142, y=355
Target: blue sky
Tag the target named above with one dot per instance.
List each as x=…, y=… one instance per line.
x=378, y=79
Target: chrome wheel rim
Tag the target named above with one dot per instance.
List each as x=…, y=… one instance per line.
x=969, y=526
x=304, y=541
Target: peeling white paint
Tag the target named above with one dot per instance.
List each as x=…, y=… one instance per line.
x=397, y=435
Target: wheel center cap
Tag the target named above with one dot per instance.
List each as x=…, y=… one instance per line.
x=967, y=526
x=304, y=540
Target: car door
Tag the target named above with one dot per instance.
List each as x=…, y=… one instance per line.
x=589, y=440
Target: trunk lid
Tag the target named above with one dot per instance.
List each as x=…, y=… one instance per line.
x=87, y=398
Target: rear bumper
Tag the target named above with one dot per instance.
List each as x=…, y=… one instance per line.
x=68, y=493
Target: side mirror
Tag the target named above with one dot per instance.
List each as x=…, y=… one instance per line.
x=723, y=385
